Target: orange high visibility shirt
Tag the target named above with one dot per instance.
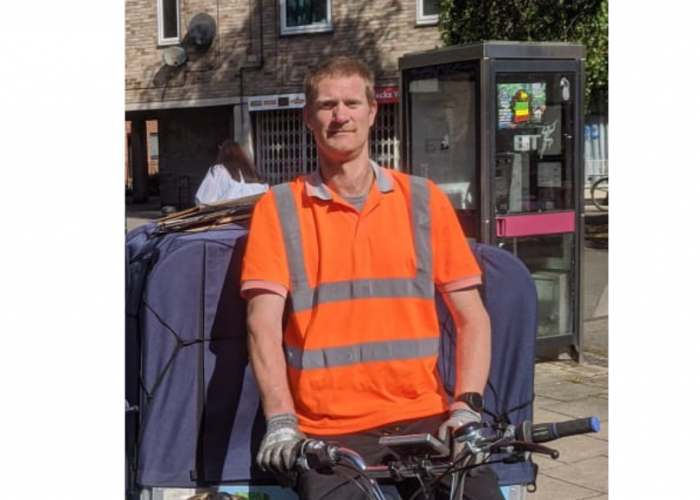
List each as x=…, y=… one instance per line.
x=362, y=337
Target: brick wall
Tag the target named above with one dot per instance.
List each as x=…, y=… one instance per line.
x=189, y=140
x=380, y=31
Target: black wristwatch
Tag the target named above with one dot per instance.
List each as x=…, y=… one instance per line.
x=474, y=400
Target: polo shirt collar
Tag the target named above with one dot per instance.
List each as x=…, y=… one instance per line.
x=316, y=187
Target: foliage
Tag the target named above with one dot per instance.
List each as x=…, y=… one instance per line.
x=579, y=21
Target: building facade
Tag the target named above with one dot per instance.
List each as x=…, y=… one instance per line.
x=151, y=154
x=207, y=70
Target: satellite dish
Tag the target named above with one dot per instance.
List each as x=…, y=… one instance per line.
x=174, y=56
x=201, y=31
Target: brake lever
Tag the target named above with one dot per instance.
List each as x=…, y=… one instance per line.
x=531, y=447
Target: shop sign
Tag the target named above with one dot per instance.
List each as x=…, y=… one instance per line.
x=280, y=101
x=385, y=95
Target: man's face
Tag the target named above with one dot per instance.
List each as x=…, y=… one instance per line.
x=340, y=117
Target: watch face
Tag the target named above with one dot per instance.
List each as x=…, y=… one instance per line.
x=473, y=400
x=476, y=401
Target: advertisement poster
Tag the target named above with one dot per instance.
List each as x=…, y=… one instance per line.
x=521, y=104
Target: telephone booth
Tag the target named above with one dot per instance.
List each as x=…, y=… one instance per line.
x=499, y=127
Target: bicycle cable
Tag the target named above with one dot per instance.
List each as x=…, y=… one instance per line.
x=362, y=486
x=458, y=469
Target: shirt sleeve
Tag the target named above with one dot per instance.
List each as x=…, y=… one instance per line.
x=454, y=264
x=265, y=259
x=214, y=185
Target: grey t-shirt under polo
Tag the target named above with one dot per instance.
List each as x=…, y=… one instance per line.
x=356, y=201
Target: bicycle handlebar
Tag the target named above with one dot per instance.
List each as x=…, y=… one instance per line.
x=525, y=437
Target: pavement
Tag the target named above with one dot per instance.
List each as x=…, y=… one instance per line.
x=138, y=214
x=564, y=389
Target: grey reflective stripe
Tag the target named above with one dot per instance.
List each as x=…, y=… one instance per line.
x=361, y=289
x=304, y=297
x=361, y=353
x=420, y=212
x=289, y=219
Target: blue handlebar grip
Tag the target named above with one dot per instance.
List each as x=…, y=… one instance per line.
x=542, y=433
x=577, y=426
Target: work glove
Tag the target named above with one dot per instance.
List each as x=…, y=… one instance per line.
x=279, y=447
x=459, y=417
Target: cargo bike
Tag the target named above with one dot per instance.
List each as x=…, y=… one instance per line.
x=194, y=421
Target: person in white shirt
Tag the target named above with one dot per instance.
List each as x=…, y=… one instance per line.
x=232, y=176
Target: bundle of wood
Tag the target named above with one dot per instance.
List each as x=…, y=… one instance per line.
x=203, y=217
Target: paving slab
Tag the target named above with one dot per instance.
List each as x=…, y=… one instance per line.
x=566, y=390
x=602, y=434
x=574, y=449
x=591, y=473
x=598, y=381
x=580, y=408
x=549, y=488
x=542, y=415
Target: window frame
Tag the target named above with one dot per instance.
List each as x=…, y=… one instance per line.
x=162, y=39
x=309, y=28
x=421, y=18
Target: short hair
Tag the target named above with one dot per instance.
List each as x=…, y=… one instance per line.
x=338, y=66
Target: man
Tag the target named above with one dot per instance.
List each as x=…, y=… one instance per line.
x=340, y=272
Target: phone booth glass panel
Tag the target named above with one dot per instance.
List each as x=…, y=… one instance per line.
x=498, y=126
x=443, y=135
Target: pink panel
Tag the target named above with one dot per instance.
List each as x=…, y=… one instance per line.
x=532, y=224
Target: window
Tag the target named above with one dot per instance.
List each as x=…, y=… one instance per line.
x=153, y=146
x=168, y=22
x=426, y=12
x=305, y=16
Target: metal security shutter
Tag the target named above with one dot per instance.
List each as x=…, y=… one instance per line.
x=383, y=138
x=285, y=149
